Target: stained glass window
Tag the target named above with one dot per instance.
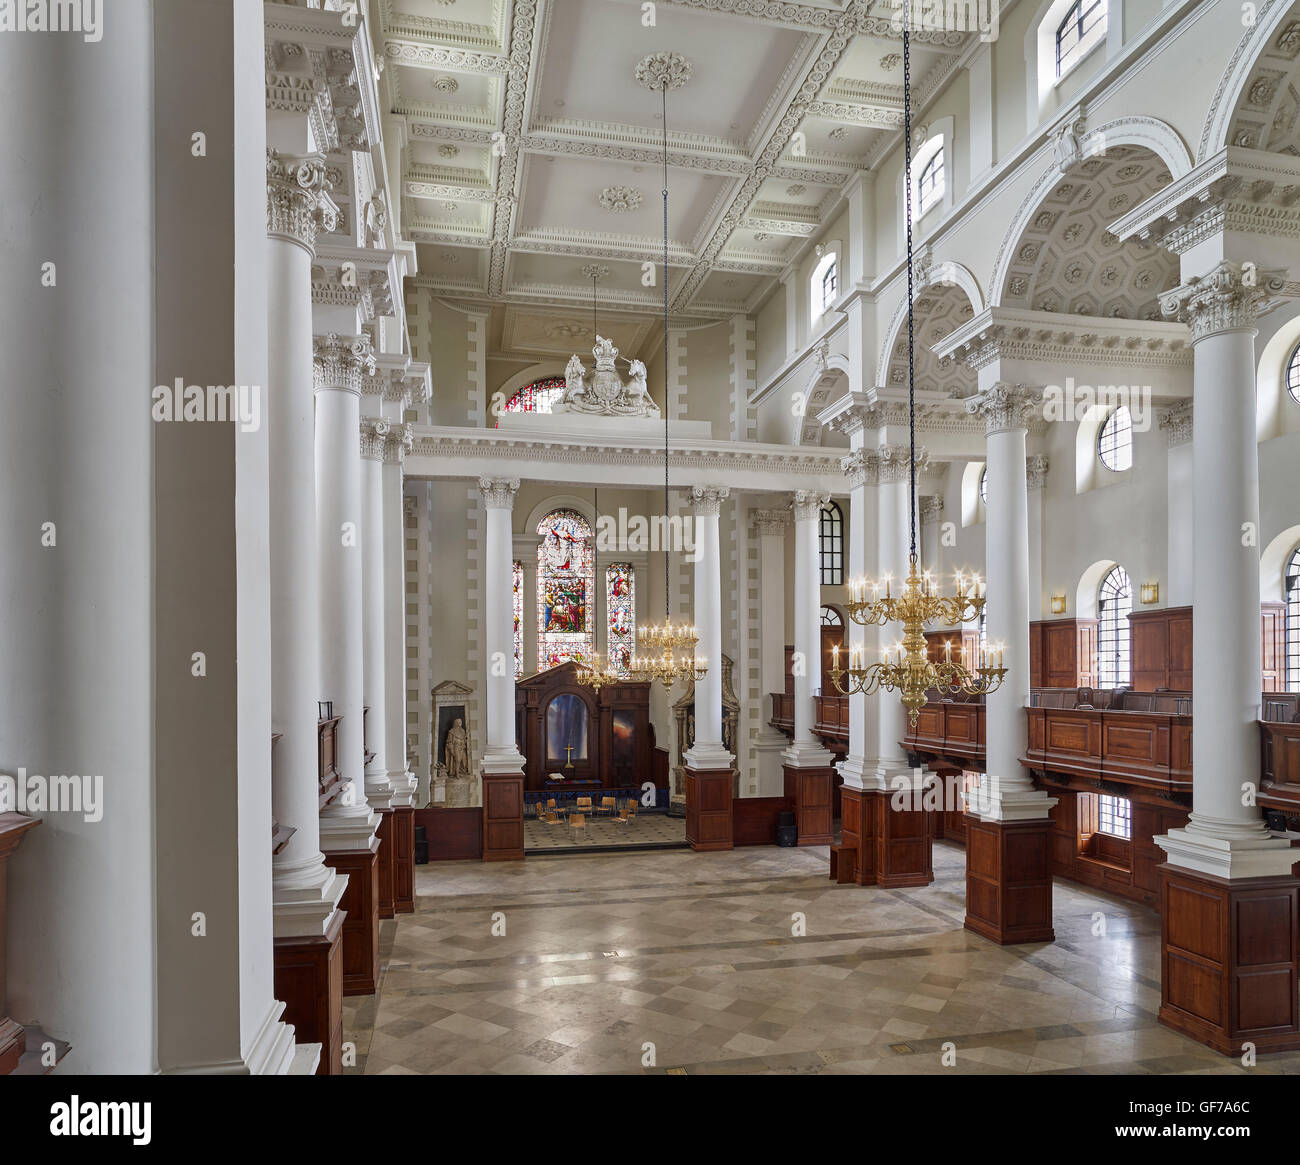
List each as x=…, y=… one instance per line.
x=620, y=604
x=565, y=586
x=517, y=600
x=537, y=397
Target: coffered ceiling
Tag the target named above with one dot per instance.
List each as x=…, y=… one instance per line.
x=531, y=150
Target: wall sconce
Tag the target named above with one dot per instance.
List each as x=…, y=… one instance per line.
x=1058, y=604
x=1150, y=592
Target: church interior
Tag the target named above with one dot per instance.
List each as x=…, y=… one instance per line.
x=695, y=537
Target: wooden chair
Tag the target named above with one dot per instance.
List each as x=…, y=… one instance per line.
x=552, y=807
x=577, y=821
x=607, y=806
x=583, y=805
x=631, y=807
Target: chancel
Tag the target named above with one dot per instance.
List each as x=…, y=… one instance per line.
x=795, y=507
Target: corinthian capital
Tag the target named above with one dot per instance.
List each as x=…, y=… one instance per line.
x=340, y=362
x=498, y=493
x=298, y=204
x=931, y=508
x=1036, y=467
x=771, y=523
x=374, y=435
x=1176, y=421
x=862, y=467
x=708, y=499
x=1226, y=299
x=398, y=444
x=892, y=461
x=1005, y=407
x=807, y=504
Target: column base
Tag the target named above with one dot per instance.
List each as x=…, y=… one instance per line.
x=361, y=926
x=810, y=793
x=385, y=835
x=708, y=809
x=309, y=979
x=503, y=817
x=1009, y=880
x=881, y=845
x=404, y=859
x=1229, y=960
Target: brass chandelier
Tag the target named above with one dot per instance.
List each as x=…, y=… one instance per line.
x=906, y=667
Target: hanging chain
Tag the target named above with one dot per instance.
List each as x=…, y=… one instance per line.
x=663, y=276
x=911, y=353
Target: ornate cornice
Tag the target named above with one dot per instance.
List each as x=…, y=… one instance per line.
x=298, y=205
x=340, y=362
x=498, y=493
x=1006, y=407
x=807, y=504
x=862, y=467
x=1227, y=299
x=374, y=436
x=1176, y=421
x=893, y=462
x=770, y=523
x=708, y=499
x=1036, y=467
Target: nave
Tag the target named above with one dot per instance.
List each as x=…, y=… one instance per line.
x=694, y=954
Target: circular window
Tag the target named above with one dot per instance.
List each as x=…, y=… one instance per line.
x=984, y=485
x=1293, y=375
x=1115, y=441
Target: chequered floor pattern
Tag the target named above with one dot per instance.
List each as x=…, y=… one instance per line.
x=695, y=955
x=643, y=829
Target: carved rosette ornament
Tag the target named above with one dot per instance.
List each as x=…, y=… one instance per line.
x=340, y=362
x=1176, y=421
x=708, y=499
x=498, y=493
x=398, y=443
x=771, y=523
x=861, y=467
x=1006, y=407
x=807, y=504
x=1036, y=467
x=298, y=205
x=374, y=436
x=892, y=462
x=663, y=71
x=1226, y=299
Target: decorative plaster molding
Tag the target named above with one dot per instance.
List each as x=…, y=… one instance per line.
x=931, y=508
x=1006, y=407
x=340, y=362
x=708, y=499
x=1176, y=421
x=807, y=504
x=1036, y=467
x=1228, y=298
x=770, y=523
x=374, y=436
x=862, y=467
x=498, y=493
x=893, y=462
x=298, y=204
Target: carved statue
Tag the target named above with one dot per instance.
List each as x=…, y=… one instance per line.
x=376, y=218
x=604, y=391
x=456, y=752
x=573, y=373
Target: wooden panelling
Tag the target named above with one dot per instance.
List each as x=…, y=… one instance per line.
x=1230, y=960
x=309, y=981
x=361, y=925
x=754, y=819
x=1280, y=766
x=881, y=845
x=385, y=835
x=1160, y=649
x=809, y=791
x=503, y=817
x=1009, y=880
x=13, y=1039
x=1062, y=653
x=404, y=859
x=454, y=835
x=708, y=809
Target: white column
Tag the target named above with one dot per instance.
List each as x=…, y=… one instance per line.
x=859, y=767
x=502, y=753
x=771, y=526
x=375, y=432
x=399, y=441
x=893, y=560
x=340, y=363
x=805, y=751
x=1177, y=424
x=306, y=891
x=931, y=518
x=1036, y=466
x=1226, y=836
x=1008, y=793
x=708, y=754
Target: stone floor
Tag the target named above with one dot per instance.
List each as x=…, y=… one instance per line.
x=645, y=829
x=673, y=961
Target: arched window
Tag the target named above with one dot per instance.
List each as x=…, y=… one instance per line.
x=565, y=587
x=1084, y=25
x=1115, y=441
x=620, y=607
x=930, y=183
x=1293, y=375
x=1114, y=604
x=537, y=397
x=1293, y=623
x=831, y=617
x=825, y=284
x=984, y=485
x=517, y=602
x=831, y=530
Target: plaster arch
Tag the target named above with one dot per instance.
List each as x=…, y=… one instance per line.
x=828, y=382
x=1273, y=563
x=943, y=275
x=1085, y=595
x=554, y=502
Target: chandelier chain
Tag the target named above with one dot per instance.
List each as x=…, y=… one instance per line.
x=663, y=278
x=911, y=344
